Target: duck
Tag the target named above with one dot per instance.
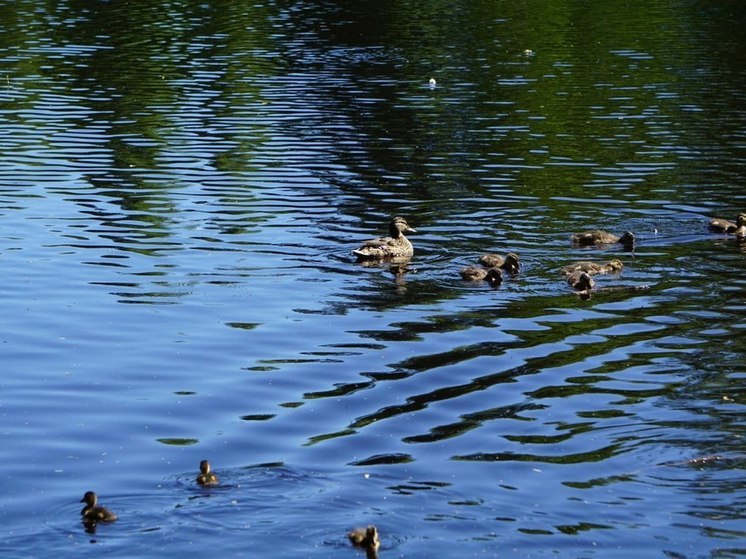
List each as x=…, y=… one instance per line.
x=395, y=246
x=493, y=275
x=740, y=231
x=207, y=477
x=92, y=512
x=509, y=262
x=592, y=268
x=720, y=225
x=580, y=280
x=598, y=237
x=366, y=538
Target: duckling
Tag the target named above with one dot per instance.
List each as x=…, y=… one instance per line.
x=493, y=276
x=740, y=233
x=597, y=237
x=92, y=512
x=206, y=476
x=580, y=280
x=509, y=262
x=367, y=538
x=592, y=268
x=720, y=225
x=395, y=246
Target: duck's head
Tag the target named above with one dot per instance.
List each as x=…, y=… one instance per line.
x=511, y=262
x=204, y=467
x=494, y=277
x=741, y=220
x=398, y=226
x=584, y=282
x=89, y=498
x=627, y=238
x=615, y=265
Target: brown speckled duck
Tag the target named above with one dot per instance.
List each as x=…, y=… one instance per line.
x=92, y=512
x=597, y=237
x=395, y=246
x=580, y=280
x=720, y=225
x=509, y=262
x=592, y=268
x=206, y=477
x=366, y=538
x=740, y=231
x=493, y=276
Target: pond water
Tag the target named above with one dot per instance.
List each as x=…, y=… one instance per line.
x=181, y=186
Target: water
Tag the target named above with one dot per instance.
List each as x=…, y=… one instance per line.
x=181, y=184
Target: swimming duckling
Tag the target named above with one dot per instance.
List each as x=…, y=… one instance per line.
x=367, y=538
x=740, y=231
x=509, y=262
x=92, y=512
x=206, y=477
x=720, y=225
x=395, y=246
x=597, y=237
x=493, y=276
x=580, y=280
x=592, y=268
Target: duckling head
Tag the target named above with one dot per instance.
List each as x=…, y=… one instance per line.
x=511, y=262
x=494, y=277
x=615, y=265
x=89, y=498
x=627, y=239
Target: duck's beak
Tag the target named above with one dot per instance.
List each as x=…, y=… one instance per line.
x=82, y=500
x=411, y=230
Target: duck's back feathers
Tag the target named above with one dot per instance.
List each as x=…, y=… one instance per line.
x=719, y=225
x=509, y=262
x=493, y=276
x=598, y=237
x=593, y=268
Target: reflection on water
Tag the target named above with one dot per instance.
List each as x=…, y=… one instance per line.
x=180, y=193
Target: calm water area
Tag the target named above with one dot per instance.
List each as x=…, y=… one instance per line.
x=181, y=186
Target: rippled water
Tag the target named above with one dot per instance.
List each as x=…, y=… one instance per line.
x=181, y=184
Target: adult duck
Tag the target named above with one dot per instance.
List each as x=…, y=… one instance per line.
x=592, y=268
x=206, y=477
x=396, y=246
x=598, y=237
x=93, y=512
x=493, y=276
x=509, y=262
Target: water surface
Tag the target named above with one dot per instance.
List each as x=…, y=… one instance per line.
x=181, y=184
